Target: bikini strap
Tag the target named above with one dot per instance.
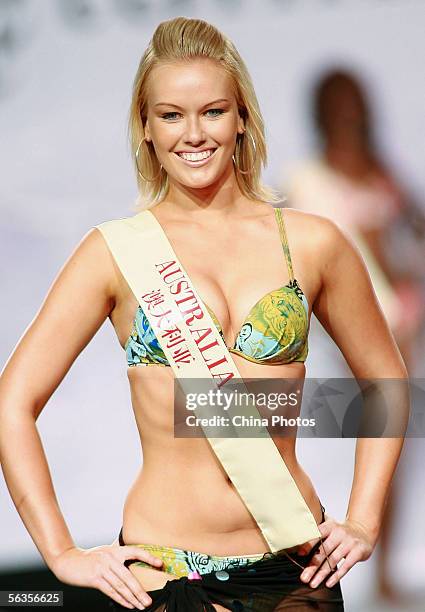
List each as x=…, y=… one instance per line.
x=284, y=241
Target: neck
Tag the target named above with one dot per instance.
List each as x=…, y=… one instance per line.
x=220, y=199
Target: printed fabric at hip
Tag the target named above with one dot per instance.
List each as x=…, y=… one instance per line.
x=270, y=584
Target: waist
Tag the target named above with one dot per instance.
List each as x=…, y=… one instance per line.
x=210, y=518
x=183, y=562
x=211, y=531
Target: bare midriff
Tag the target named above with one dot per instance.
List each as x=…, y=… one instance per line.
x=182, y=497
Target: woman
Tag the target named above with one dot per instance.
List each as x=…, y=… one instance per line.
x=198, y=139
x=349, y=182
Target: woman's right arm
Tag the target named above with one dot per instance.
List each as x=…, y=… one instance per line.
x=76, y=305
x=78, y=302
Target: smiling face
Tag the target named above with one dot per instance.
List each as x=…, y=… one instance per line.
x=193, y=121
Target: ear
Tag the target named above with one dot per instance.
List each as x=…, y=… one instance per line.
x=241, y=125
x=147, y=131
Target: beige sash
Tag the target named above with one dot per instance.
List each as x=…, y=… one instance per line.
x=195, y=349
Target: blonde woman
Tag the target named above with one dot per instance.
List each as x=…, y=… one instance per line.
x=198, y=532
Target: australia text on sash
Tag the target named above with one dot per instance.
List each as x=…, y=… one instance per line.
x=191, y=313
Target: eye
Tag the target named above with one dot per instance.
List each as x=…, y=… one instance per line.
x=220, y=111
x=166, y=115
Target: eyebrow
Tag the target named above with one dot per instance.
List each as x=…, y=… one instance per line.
x=180, y=108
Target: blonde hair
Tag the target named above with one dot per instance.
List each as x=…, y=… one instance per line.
x=183, y=39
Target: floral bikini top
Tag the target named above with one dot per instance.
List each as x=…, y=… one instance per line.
x=275, y=332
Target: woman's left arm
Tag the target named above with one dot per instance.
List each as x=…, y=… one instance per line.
x=348, y=309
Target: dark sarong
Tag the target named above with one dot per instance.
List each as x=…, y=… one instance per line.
x=270, y=584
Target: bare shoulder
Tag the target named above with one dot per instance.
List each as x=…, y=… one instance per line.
x=319, y=235
x=310, y=222
x=94, y=250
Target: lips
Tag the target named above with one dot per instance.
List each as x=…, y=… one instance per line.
x=196, y=162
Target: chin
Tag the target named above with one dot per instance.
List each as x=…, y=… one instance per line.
x=198, y=183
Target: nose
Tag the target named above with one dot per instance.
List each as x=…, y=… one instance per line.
x=194, y=133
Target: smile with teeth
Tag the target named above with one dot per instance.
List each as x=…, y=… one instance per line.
x=196, y=157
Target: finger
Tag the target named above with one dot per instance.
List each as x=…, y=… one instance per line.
x=326, y=527
x=320, y=575
x=327, y=569
x=134, y=552
x=333, y=558
x=109, y=590
x=133, y=584
x=121, y=588
x=339, y=554
x=316, y=562
x=330, y=564
x=313, y=565
x=350, y=560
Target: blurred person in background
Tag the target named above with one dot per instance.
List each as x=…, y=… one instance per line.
x=349, y=182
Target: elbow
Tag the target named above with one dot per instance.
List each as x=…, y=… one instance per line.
x=12, y=411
